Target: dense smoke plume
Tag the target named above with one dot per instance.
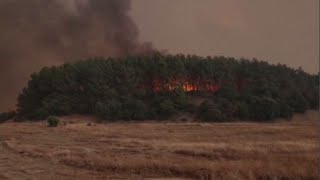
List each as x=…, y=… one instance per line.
x=36, y=33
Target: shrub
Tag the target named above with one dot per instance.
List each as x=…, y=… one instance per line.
x=242, y=111
x=285, y=111
x=7, y=116
x=39, y=114
x=53, y=121
x=57, y=105
x=137, y=109
x=109, y=110
x=180, y=99
x=228, y=92
x=227, y=107
x=208, y=112
x=214, y=115
x=262, y=108
x=166, y=108
x=298, y=103
x=205, y=106
x=191, y=108
x=314, y=101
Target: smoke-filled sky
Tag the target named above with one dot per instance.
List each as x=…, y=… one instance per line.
x=284, y=31
x=36, y=33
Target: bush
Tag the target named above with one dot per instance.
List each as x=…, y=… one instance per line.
x=39, y=114
x=166, y=108
x=57, y=105
x=285, y=111
x=214, y=115
x=263, y=108
x=208, y=112
x=228, y=92
x=109, y=110
x=242, y=111
x=227, y=107
x=53, y=121
x=205, y=106
x=190, y=108
x=138, y=110
x=180, y=99
x=7, y=116
x=298, y=103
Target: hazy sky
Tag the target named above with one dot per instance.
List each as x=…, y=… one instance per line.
x=284, y=31
x=37, y=33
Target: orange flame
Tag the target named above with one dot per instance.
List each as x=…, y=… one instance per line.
x=187, y=85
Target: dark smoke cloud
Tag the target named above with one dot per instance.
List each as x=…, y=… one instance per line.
x=36, y=33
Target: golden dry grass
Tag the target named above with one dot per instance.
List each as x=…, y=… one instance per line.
x=283, y=150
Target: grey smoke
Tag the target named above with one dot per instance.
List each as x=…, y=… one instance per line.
x=36, y=33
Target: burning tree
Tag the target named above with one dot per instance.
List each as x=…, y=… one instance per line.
x=157, y=86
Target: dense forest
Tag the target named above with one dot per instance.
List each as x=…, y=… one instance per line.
x=159, y=86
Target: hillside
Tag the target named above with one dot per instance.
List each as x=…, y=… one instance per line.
x=159, y=86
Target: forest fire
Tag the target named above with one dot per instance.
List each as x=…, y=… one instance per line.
x=186, y=84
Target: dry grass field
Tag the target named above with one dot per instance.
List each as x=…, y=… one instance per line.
x=78, y=150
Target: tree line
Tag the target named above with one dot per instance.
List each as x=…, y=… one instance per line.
x=159, y=86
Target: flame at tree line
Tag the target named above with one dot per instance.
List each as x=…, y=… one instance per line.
x=190, y=85
x=186, y=84
x=144, y=87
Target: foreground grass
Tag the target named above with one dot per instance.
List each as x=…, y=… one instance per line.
x=283, y=150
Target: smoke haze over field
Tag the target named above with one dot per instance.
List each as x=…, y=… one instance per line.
x=36, y=33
